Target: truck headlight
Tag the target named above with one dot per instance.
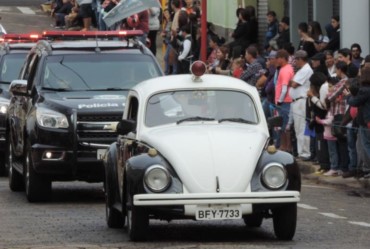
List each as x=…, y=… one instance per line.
x=157, y=178
x=274, y=176
x=51, y=119
x=4, y=107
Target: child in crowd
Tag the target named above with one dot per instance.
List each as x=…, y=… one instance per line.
x=331, y=140
x=237, y=67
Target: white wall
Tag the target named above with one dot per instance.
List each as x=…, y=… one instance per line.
x=355, y=20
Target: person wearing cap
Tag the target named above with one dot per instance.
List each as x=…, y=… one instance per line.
x=299, y=86
x=282, y=97
x=268, y=90
x=318, y=64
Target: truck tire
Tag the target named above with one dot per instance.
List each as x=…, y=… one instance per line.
x=3, y=170
x=37, y=187
x=16, y=180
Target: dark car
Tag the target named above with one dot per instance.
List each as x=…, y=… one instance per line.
x=13, y=51
x=67, y=104
x=197, y=148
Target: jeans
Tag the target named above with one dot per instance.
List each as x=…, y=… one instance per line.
x=363, y=147
x=352, y=152
x=333, y=154
x=322, y=151
x=283, y=111
x=343, y=154
x=167, y=65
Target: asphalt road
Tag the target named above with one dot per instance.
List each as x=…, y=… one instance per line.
x=75, y=218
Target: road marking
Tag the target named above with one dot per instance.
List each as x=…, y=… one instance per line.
x=331, y=215
x=363, y=224
x=5, y=9
x=26, y=10
x=305, y=206
x=319, y=187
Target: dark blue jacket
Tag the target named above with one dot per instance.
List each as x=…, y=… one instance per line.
x=362, y=101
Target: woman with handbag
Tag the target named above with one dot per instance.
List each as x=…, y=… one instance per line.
x=338, y=101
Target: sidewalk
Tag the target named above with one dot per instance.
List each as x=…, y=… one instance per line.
x=360, y=187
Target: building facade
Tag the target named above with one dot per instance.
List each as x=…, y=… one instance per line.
x=354, y=15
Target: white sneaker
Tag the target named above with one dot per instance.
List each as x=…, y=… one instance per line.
x=331, y=172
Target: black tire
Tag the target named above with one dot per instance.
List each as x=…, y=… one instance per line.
x=114, y=218
x=285, y=221
x=3, y=169
x=137, y=221
x=253, y=220
x=37, y=187
x=16, y=180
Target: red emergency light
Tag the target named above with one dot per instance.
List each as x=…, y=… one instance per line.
x=92, y=34
x=14, y=38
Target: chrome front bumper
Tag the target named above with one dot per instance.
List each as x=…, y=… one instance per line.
x=216, y=198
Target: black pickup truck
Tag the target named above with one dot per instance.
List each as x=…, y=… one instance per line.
x=67, y=103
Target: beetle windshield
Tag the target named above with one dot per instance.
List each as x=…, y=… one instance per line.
x=11, y=66
x=97, y=71
x=200, y=106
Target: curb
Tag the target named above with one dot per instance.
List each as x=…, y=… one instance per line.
x=308, y=172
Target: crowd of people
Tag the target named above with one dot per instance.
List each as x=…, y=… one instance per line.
x=321, y=90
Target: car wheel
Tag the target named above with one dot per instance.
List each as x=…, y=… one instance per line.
x=3, y=171
x=114, y=218
x=137, y=220
x=37, y=187
x=16, y=182
x=285, y=221
x=253, y=220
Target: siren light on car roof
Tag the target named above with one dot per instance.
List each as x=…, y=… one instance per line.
x=92, y=34
x=198, y=69
x=30, y=37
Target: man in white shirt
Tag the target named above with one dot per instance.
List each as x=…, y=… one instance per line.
x=300, y=85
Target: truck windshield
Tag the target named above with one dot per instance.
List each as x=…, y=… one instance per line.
x=11, y=66
x=97, y=71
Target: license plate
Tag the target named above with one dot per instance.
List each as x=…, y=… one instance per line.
x=218, y=212
x=100, y=153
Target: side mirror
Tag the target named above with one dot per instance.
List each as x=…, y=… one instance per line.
x=18, y=87
x=126, y=126
x=275, y=122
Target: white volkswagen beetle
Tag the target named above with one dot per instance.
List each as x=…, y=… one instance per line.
x=198, y=147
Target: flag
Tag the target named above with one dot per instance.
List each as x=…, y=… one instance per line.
x=126, y=8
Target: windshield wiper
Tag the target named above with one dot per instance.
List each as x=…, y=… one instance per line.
x=4, y=82
x=56, y=89
x=197, y=118
x=109, y=89
x=237, y=120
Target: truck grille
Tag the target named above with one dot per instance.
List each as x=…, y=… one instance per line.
x=98, y=118
x=97, y=128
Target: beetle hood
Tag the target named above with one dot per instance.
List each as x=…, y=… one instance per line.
x=210, y=155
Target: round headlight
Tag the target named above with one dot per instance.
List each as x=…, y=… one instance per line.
x=274, y=176
x=157, y=178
